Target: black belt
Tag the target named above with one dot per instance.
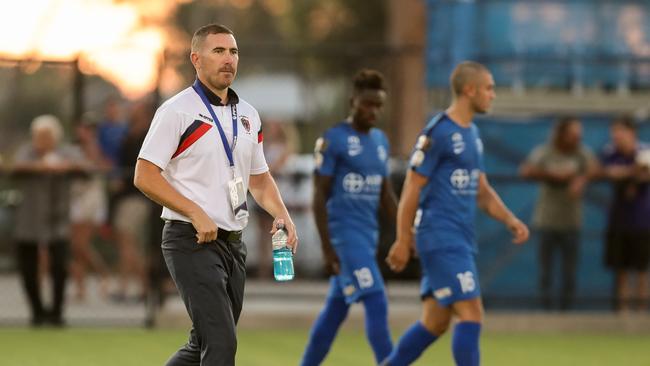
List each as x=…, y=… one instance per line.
x=226, y=235
x=222, y=234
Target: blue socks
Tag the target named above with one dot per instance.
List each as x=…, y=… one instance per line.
x=324, y=330
x=330, y=319
x=465, y=341
x=377, y=331
x=414, y=341
x=465, y=344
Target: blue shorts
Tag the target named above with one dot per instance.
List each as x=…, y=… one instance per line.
x=449, y=276
x=359, y=273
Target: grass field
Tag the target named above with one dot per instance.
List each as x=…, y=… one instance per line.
x=132, y=347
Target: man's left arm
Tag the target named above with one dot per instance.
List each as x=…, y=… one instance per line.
x=266, y=194
x=490, y=202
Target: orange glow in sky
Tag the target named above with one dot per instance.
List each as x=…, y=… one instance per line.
x=120, y=41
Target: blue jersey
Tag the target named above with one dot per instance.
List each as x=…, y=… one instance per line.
x=451, y=157
x=357, y=162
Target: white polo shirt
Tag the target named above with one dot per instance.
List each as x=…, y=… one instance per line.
x=185, y=143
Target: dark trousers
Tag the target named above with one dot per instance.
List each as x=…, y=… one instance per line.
x=565, y=244
x=28, y=263
x=210, y=278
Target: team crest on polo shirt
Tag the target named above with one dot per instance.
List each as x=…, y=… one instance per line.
x=246, y=123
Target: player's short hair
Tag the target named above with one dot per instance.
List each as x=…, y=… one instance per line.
x=464, y=73
x=48, y=122
x=625, y=121
x=367, y=79
x=201, y=33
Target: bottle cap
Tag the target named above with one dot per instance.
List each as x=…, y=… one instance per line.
x=279, y=238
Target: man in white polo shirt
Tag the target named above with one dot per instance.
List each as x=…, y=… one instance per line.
x=202, y=153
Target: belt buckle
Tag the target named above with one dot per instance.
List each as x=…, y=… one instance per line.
x=234, y=235
x=228, y=235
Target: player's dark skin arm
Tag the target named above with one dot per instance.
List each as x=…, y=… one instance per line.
x=490, y=202
x=322, y=190
x=388, y=202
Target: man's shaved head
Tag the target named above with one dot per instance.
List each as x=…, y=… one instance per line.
x=465, y=73
x=201, y=33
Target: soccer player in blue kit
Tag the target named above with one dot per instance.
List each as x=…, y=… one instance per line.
x=351, y=186
x=442, y=189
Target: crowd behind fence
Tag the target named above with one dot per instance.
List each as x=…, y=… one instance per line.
x=508, y=273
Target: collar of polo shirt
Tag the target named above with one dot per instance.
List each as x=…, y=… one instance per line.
x=214, y=99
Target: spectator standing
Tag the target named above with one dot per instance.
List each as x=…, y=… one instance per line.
x=42, y=170
x=88, y=210
x=627, y=250
x=562, y=166
x=132, y=208
x=110, y=133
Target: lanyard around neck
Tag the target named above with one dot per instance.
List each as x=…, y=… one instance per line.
x=233, y=110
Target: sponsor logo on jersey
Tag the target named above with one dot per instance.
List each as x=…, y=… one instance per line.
x=474, y=177
x=457, y=143
x=353, y=183
x=464, y=181
x=460, y=178
x=356, y=183
x=354, y=146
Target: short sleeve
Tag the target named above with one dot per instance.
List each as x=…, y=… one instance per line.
x=325, y=154
x=162, y=138
x=258, y=160
x=426, y=155
x=537, y=156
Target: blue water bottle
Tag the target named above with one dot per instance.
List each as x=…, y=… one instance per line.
x=282, y=256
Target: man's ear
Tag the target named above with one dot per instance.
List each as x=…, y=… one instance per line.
x=469, y=89
x=194, y=58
